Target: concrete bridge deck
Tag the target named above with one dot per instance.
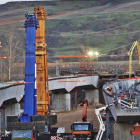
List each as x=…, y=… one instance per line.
x=63, y=84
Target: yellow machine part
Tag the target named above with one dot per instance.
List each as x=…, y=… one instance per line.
x=43, y=99
x=130, y=53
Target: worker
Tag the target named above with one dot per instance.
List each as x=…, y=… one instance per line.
x=109, y=89
x=82, y=97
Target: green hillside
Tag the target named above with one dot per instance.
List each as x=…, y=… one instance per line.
x=96, y=24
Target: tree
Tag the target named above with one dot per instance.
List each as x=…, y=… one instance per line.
x=12, y=47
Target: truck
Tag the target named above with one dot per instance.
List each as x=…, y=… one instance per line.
x=84, y=129
x=22, y=135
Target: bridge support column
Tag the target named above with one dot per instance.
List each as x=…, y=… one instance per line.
x=122, y=131
x=2, y=121
x=12, y=109
x=61, y=101
x=92, y=95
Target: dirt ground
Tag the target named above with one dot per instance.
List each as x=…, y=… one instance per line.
x=65, y=119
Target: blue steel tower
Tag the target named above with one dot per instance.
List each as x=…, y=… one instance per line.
x=31, y=24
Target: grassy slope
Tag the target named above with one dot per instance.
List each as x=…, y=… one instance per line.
x=62, y=30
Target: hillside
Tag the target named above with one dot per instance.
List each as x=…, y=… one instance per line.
x=107, y=26
x=74, y=24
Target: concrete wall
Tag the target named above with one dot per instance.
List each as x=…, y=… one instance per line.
x=122, y=131
x=92, y=96
x=61, y=101
x=2, y=121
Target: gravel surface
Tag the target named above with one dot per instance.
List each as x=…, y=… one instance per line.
x=65, y=119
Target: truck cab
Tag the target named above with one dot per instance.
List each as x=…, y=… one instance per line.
x=22, y=135
x=82, y=130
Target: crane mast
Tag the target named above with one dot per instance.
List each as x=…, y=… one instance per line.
x=43, y=99
x=31, y=25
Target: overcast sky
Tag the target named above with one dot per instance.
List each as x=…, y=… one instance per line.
x=4, y=1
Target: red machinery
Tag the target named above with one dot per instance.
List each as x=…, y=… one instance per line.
x=136, y=133
x=83, y=129
x=84, y=104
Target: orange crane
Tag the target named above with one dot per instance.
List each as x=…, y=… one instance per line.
x=43, y=99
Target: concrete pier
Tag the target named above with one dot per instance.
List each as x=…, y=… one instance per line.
x=61, y=101
x=67, y=101
x=10, y=110
x=122, y=131
x=2, y=121
x=92, y=95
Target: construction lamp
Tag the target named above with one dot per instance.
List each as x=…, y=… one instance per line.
x=96, y=53
x=90, y=53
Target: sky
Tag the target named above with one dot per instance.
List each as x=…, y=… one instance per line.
x=4, y=1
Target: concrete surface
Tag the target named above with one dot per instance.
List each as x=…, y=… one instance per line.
x=12, y=110
x=61, y=101
x=66, y=118
x=16, y=92
x=92, y=96
x=68, y=84
x=2, y=121
x=122, y=131
x=9, y=91
x=65, y=102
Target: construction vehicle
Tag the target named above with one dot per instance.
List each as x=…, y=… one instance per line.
x=104, y=108
x=82, y=129
x=23, y=134
x=130, y=53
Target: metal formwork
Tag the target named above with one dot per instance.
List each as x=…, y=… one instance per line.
x=118, y=89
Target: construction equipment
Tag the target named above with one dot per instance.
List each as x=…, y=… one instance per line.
x=43, y=99
x=29, y=122
x=130, y=53
x=31, y=25
x=104, y=108
x=85, y=104
x=82, y=129
x=23, y=134
x=102, y=126
x=135, y=135
x=35, y=118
